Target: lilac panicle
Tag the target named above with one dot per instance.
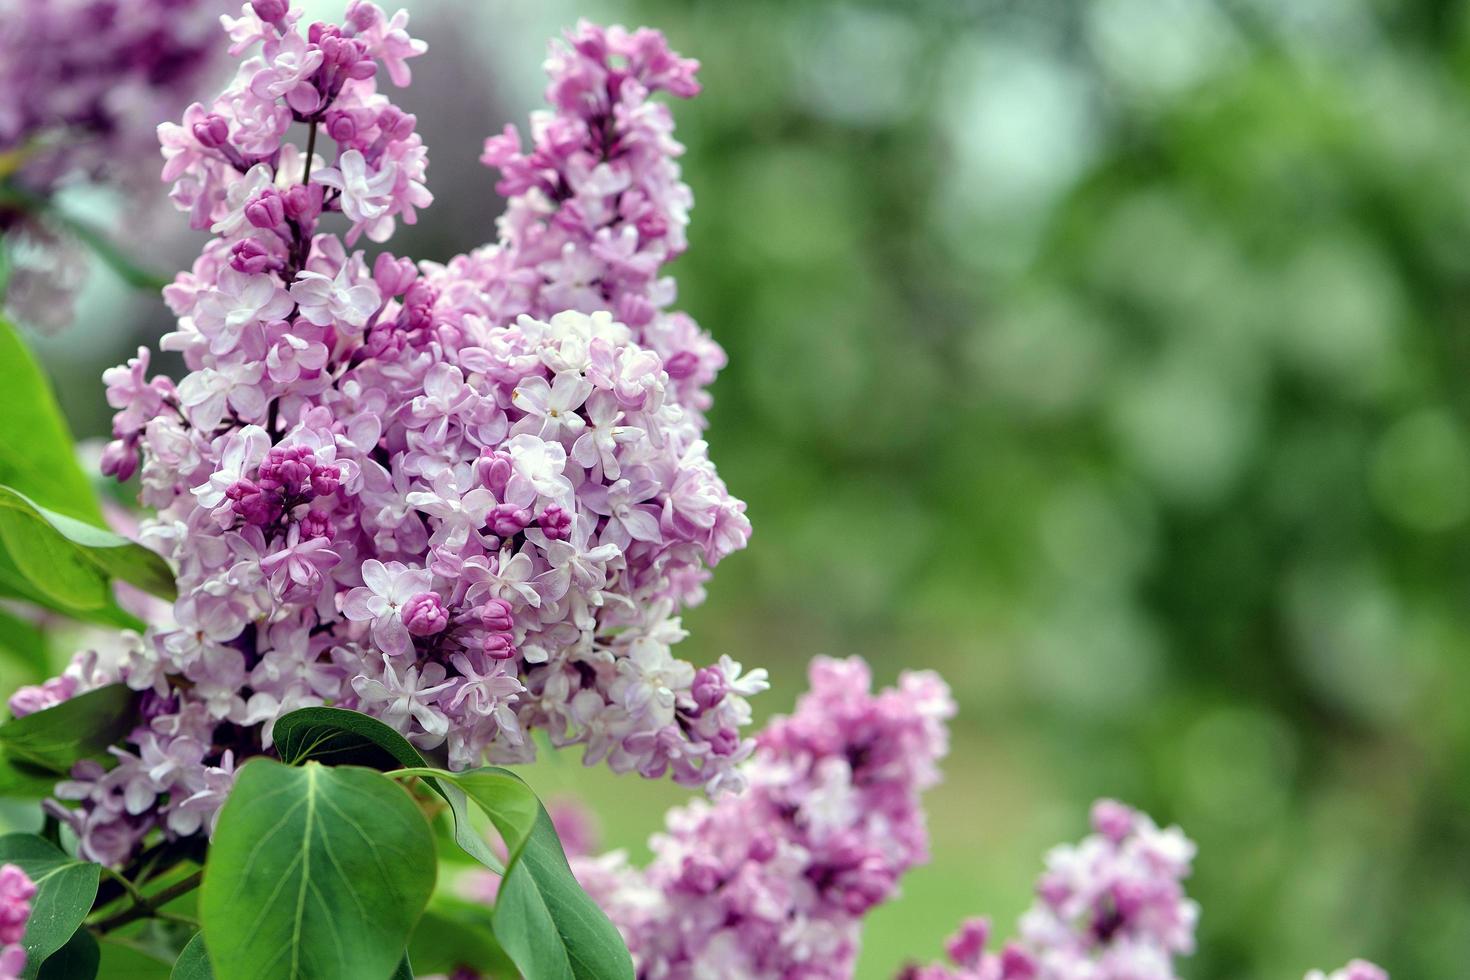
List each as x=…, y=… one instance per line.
x=16, y=891
x=775, y=882
x=1109, y=908
x=595, y=206
x=377, y=497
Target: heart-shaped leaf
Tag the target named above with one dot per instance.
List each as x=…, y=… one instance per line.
x=65, y=890
x=544, y=921
x=72, y=562
x=339, y=737
x=314, y=872
x=77, y=960
x=78, y=728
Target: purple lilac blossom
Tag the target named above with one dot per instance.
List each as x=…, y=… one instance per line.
x=84, y=83
x=596, y=207
x=775, y=882
x=16, y=891
x=377, y=497
x=1108, y=908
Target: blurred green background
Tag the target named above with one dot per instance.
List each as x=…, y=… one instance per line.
x=1108, y=358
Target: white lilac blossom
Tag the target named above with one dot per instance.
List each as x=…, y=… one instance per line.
x=16, y=891
x=775, y=882
x=596, y=208
x=377, y=497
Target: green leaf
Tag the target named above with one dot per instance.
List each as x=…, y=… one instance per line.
x=404, y=970
x=24, y=642
x=21, y=779
x=71, y=562
x=37, y=457
x=77, y=960
x=79, y=728
x=337, y=736
x=65, y=890
x=193, y=961
x=314, y=872
x=544, y=921
x=15, y=585
x=125, y=959
x=452, y=936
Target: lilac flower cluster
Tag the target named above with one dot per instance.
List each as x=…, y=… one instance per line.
x=775, y=882
x=596, y=207
x=85, y=82
x=1111, y=906
x=378, y=496
x=16, y=891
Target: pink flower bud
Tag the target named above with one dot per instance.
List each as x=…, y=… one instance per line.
x=709, y=687
x=304, y=203
x=495, y=616
x=266, y=209
x=494, y=469
x=251, y=257
x=555, y=523
x=508, y=519
x=424, y=614
x=498, y=646
x=341, y=127
x=393, y=276
x=212, y=132
x=270, y=11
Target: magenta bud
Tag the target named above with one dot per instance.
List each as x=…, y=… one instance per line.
x=709, y=687
x=495, y=616
x=270, y=11
x=119, y=460
x=393, y=276
x=251, y=257
x=266, y=209
x=303, y=202
x=494, y=469
x=212, y=131
x=316, y=525
x=325, y=480
x=341, y=127
x=508, y=519
x=498, y=646
x=424, y=614
x=555, y=523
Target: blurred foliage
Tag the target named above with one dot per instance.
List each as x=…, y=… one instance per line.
x=1108, y=358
